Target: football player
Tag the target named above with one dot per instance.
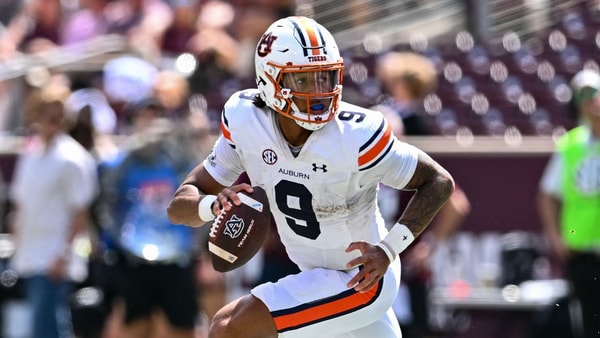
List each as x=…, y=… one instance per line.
x=320, y=160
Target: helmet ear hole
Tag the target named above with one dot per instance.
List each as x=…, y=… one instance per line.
x=270, y=70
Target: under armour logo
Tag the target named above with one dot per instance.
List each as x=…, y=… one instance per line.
x=323, y=167
x=404, y=238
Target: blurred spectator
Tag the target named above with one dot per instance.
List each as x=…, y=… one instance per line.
x=192, y=132
x=102, y=117
x=87, y=22
x=172, y=91
x=3, y=202
x=569, y=200
x=192, y=128
x=8, y=10
x=249, y=25
x=150, y=16
x=216, y=50
x=46, y=19
x=53, y=186
x=143, y=22
x=280, y=8
x=12, y=26
x=11, y=104
x=155, y=260
x=127, y=79
x=406, y=78
x=177, y=36
x=93, y=123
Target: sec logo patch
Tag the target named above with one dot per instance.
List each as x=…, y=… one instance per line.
x=269, y=156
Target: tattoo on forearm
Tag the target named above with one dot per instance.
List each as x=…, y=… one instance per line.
x=433, y=187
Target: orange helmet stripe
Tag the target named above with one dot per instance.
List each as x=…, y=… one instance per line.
x=312, y=36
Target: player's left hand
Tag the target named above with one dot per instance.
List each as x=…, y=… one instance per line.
x=374, y=265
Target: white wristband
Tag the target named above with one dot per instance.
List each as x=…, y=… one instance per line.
x=390, y=255
x=396, y=241
x=205, y=208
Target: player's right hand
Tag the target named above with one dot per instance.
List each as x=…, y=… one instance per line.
x=229, y=195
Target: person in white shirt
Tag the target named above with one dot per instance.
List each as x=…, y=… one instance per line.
x=53, y=186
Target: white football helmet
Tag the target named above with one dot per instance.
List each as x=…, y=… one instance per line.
x=298, y=58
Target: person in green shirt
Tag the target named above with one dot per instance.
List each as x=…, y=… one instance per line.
x=569, y=200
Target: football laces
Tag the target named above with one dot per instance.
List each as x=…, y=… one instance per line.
x=217, y=221
x=215, y=225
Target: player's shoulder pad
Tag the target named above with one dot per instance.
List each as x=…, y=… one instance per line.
x=239, y=110
x=239, y=104
x=371, y=132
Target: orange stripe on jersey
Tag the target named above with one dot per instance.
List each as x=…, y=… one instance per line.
x=307, y=314
x=312, y=36
x=226, y=132
x=378, y=148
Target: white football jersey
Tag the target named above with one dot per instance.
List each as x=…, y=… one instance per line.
x=324, y=198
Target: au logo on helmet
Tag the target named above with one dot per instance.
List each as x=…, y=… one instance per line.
x=265, y=46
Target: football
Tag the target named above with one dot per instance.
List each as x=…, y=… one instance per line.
x=236, y=235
